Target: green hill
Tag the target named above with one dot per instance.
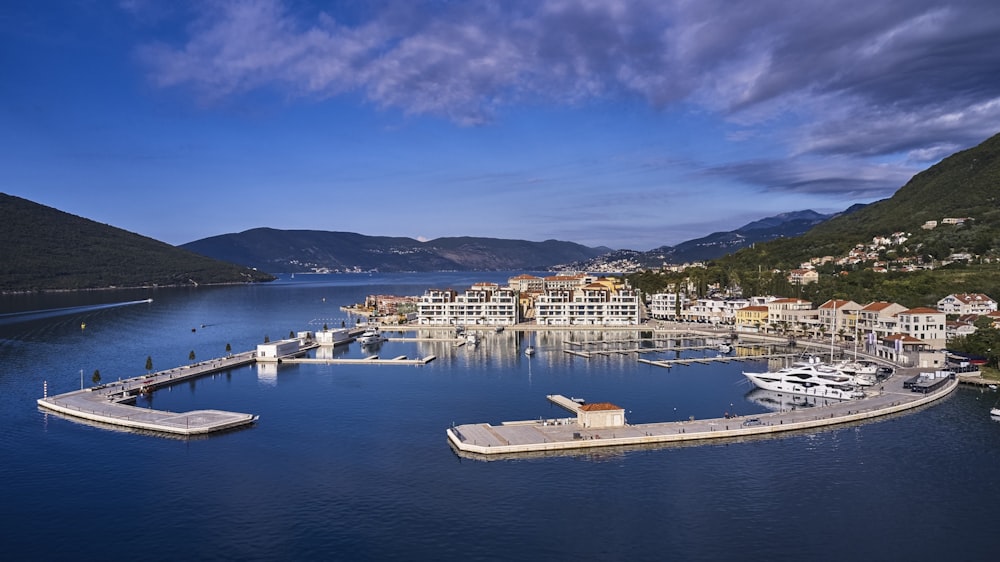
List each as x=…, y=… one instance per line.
x=46, y=249
x=965, y=184
x=918, y=272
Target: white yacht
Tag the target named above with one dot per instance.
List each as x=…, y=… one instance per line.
x=809, y=378
x=865, y=373
x=370, y=336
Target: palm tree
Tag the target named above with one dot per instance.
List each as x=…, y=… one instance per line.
x=149, y=363
x=229, y=350
x=191, y=356
x=97, y=376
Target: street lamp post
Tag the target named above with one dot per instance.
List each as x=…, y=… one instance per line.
x=81, y=379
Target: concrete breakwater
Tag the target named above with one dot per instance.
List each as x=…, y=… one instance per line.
x=532, y=436
x=114, y=403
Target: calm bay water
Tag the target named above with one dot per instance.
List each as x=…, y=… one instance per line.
x=351, y=462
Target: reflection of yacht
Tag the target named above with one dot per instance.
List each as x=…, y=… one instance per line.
x=473, y=339
x=529, y=351
x=725, y=347
x=784, y=401
x=810, y=378
x=371, y=336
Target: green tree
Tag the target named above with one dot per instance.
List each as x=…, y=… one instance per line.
x=97, y=376
x=267, y=339
x=229, y=349
x=191, y=356
x=149, y=363
x=291, y=334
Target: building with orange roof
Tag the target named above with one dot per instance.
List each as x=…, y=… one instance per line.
x=600, y=414
x=925, y=324
x=967, y=303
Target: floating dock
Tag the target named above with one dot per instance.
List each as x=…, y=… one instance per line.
x=561, y=434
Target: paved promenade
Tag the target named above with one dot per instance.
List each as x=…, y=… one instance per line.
x=561, y=434
x=113, y=403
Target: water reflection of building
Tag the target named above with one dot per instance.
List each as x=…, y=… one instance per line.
x=267, y=373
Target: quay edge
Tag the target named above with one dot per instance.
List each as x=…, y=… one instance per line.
x=554, y=437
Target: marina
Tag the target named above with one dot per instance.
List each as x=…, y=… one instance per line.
x=338, y=446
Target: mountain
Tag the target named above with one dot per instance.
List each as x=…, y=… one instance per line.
x=715, y=245
x=47, y=249
x=963, y=185
x=312, y=250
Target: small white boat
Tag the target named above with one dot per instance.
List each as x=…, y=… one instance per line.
x=995, y=412
x=472, y=339
x=725, y=347
x=529, y=351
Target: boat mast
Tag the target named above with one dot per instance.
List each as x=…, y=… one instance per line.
x=833, y=331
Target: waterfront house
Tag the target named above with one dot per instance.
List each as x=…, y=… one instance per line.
x=751, y=319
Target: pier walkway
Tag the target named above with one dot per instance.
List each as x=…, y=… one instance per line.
x=560, y=434
x=113, y=403
x=371, y=360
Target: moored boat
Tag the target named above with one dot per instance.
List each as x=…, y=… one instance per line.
x=809, y=378
x=370, y=337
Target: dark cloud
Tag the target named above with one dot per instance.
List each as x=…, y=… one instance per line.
x=863, y=78
x=843, y=179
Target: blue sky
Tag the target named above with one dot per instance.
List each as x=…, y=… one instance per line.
x=624, y=124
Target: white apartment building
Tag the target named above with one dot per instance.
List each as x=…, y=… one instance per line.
x=574, y=281
x=967, y=303
x=925, y=324
x=484, y=304
x=877, y=320
x=791, y=314
x=592, y=305
x=668, y=306
x=525, y=283
x=715, y=311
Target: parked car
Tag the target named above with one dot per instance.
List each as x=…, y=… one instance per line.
x=752, y=422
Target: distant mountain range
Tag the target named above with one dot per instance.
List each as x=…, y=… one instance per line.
x=292, y=251
x=45, y=248
x=717, y=244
